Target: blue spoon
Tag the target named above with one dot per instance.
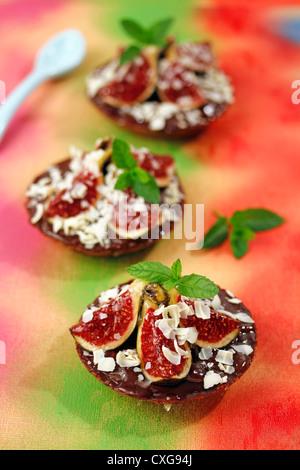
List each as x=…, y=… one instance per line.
x=289, y=29
x=62, y=54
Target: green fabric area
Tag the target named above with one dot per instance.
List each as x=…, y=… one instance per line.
x=147, y=13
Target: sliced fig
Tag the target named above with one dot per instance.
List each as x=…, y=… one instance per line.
x=108, y=326
x=133, y=218
x=69, y=202
x=216, y=331
x=133, y=81
x=178, y=85
x=195, y=56
x=161, y=167
x=162, y=359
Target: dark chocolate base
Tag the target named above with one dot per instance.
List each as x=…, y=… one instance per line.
x=118, y=246
x=171, y=129
x=125, y=379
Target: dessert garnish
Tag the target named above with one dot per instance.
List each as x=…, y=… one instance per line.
x=112, y=200
x=142, y=182
x=240, y=228
x=155, y=35
x=158, y=86
x=165, y=337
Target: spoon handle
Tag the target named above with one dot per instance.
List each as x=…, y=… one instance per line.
x=17, y=96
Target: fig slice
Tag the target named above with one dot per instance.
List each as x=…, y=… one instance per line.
x=180, y=86
x=133, y=81
x=162, y=359
x=195, y=56
x=109, y=324
x=69, y=202
x=216, y=331
x=134, y=218
x=161, y=167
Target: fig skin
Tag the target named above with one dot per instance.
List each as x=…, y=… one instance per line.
x=136, y=288
x=150, y=55
x=150, y=304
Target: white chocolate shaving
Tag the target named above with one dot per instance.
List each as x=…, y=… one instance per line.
x=128, y=358
x=243, y=348
x=173, y=357
x=225, y=357
x=202, y=310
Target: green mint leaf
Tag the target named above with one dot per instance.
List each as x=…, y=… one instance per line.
x=193, y=285
x=158, y=31
x=217, y=234
x=256, y=219
x=152, y=271
x=123, y=181
x=142, y=175
x=148, y=190
x=239, y=240
x=197, y=286
x=142, y=182
x=170, y=284
x=121, y=155
x=130, y=53
x=135, y=30
x=176, y=268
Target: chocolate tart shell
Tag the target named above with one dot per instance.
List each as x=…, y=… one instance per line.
x=118, y=246
x=125, y=379
x=171, y=130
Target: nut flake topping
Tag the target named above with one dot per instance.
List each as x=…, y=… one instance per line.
x=104, y=364
x=128, y=358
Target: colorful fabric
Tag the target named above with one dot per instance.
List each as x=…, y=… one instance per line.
x=247, y=158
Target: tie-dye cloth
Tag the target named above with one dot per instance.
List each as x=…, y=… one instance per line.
x=247, y=158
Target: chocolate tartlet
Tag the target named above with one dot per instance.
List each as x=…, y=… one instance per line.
x=152, y=344
x=173, y=91
x=75, y=202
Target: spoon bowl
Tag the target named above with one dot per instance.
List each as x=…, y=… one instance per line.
x=60, y=55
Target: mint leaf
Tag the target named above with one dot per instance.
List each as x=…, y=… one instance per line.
x=256, y=219
x=142, y=182
x=176, y=268
x=142, y=175
x=147, y=190
x=130, y=53
x=217, y=234
x=171, y=284
x=193, y=285
x=135, y=30
x=158, y=31
x=239, y=240
x=243, y=225
x=121, y=155
x=197, y=286
x=152, y=271
x=123, y=181
x=154, y=35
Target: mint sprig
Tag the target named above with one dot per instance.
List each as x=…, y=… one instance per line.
x=141, y=182
x=142, y=36
x=192, y=285
x=240, y=228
